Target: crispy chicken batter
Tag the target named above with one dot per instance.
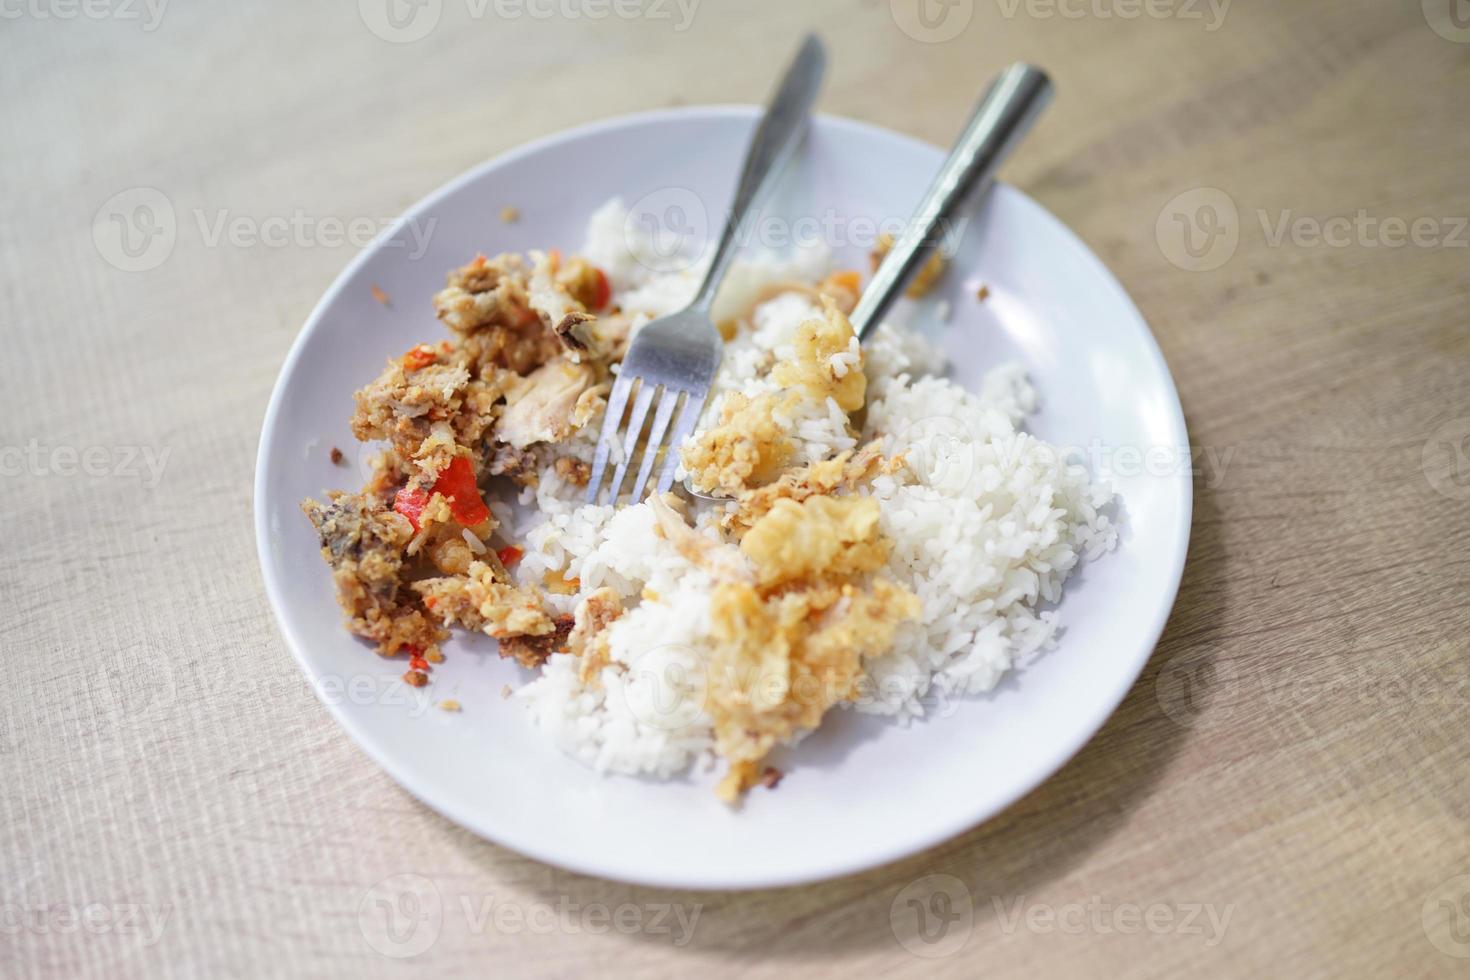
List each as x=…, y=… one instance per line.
x=363, y=543
x=842, y=472
x=782, y=660
x=813, y=369
x=746, y=449
x=483, y=599
x=588, y=639
x=926, y=277
x=822, y=536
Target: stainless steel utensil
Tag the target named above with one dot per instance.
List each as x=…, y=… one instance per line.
x=674, y=359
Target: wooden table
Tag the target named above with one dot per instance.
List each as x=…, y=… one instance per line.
x=1285, y=792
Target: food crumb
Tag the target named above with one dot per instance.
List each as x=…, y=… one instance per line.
x=434, y=657
x=505, y=693
x=510, y=215
x=770, y=777
x=415, y=678
x=381, y=296
x=449, y=704
x=983, y=293
x=336, y=456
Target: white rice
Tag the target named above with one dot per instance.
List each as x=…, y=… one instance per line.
x=987, y=522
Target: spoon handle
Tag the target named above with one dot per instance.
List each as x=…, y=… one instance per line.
x=999, y=122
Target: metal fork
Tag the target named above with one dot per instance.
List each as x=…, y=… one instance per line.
x=673, y=360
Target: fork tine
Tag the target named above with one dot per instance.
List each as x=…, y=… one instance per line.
x=666, y=404
x=617, y=401
x=636, y=418
x=688, y=418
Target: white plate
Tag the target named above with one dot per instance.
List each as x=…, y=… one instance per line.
x=861, y=791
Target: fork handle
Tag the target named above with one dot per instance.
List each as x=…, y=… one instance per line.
x=780, y=129
x=1002, y=118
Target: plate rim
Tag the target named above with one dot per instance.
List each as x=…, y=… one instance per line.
x=879, y=856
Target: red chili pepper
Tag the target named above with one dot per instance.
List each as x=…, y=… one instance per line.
x=410, y=502
x=509, y=555
x=457, y=484
x=420, y=357
x=418, y=663
x=603, y=294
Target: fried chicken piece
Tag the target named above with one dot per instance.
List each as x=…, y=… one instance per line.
x=363, y=542
x=845, y=471
x=781, y=661
x=815, y=368
x=517, y=464
x=532, y=651
x=543, y=407
x=563, y=311
x=831, y=536
x=426, y=403
x=588, y=640
x=747, y=448
x=484, y=599
x=574, y=471
x=926, y=277
x=488, y=304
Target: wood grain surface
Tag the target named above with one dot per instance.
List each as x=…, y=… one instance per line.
x=1286, y=790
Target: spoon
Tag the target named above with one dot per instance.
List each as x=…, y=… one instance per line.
x=1001, y=120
